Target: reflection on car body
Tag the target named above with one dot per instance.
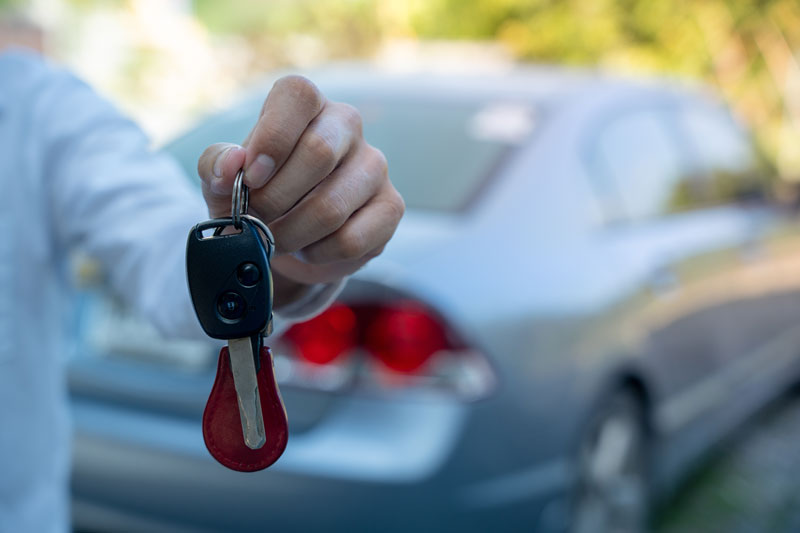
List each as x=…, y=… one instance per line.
x=590, y=288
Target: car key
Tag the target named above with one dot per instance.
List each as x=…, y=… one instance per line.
x=228, y=279
x=230, y=282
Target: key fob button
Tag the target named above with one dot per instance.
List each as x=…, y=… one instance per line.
x=248, y=274
x=230, y=305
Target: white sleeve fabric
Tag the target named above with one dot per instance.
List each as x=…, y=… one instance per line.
x=129, y=207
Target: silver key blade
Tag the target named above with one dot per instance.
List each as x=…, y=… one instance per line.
x=246, y=383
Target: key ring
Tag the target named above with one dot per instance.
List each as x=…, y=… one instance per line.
x=266, y=231
x=240, y=199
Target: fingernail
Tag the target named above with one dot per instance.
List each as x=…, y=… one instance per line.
x=220, y=161
x=259, y=171
x=217, y=186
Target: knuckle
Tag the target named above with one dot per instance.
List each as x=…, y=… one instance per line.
x=351, y=117
x=320, y=148
x=350, y=246
x=331, y=211
x=378, y=161
x=374, y=253
x=303, y=89
x=395, y=205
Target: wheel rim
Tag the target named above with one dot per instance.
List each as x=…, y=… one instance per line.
x=611, y=487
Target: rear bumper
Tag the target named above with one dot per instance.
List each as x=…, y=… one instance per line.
x=367, y=466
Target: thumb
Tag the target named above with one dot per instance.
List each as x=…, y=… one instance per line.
x=217, y=168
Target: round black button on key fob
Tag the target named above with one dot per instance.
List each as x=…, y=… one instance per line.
x=248, y=274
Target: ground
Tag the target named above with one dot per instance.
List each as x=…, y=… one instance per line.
x=751, y=486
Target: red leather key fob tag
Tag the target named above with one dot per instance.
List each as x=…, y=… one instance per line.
x=222, y=426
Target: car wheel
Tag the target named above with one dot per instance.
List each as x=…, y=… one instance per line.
x=611, y=493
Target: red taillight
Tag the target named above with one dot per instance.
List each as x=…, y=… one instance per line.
x=397, y=343
x=401, y=335
x=325, y=338
x=404, y=336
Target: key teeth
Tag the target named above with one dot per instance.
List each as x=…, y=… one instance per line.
x=246, y=385
x=255, y=438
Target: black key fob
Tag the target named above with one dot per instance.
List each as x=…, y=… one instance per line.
x=230, y=280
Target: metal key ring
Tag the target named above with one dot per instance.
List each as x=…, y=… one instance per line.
x=266, y=231
x=240, y=199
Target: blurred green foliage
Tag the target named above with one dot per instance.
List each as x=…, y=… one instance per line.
x=88, y=5
x=9, y=4
x=347, y=28
x=744, y=47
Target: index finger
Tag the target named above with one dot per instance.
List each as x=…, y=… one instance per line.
x=291, y=105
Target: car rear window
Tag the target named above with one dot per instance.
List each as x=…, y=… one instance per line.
x=439, y=153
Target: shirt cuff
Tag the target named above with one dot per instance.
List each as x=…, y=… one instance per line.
x=315, y=300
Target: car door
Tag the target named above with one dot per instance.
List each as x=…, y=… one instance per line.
x=758, y=296
x=675, y=248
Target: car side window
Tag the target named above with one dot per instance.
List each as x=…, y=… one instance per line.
x=726, y=166
x=638, y=166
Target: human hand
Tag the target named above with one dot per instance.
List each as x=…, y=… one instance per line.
x=324, y=192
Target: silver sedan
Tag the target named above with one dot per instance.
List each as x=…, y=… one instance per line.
x=593, y=284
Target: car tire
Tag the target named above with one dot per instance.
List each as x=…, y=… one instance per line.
x=612, y=483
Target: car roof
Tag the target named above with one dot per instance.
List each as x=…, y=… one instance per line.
x=542, y=85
